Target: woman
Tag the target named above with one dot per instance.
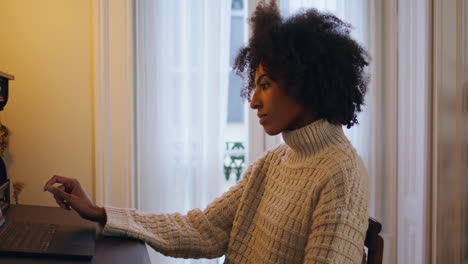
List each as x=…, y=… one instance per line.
x=304, y=201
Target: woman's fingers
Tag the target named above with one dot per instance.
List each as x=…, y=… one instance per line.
x=62, y=203
x=70, y=195
x=57, y=179
x=59, y=194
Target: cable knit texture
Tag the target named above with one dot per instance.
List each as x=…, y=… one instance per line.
x=304, y=201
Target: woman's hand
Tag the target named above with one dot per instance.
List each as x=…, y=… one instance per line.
x=71, y=195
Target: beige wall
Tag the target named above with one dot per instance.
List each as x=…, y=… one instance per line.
x=47, y=46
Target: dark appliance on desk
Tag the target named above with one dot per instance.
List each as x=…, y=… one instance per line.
x=4, y=187
x=4, y=181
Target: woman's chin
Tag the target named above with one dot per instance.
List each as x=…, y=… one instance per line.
x=271, y=131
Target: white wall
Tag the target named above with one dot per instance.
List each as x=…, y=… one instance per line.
x=47, y=46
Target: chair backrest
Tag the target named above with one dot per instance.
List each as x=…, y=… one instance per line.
x=374, y=243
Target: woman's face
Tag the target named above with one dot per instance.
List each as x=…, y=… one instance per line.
x=277, y=111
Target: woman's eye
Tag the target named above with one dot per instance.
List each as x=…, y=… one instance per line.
x=264, y=85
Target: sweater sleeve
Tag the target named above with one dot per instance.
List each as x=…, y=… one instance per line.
x=199, y=234
x=339, y=220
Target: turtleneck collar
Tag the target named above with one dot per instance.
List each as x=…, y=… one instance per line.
x=312, y=138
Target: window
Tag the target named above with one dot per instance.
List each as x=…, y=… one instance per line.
x=235, y=134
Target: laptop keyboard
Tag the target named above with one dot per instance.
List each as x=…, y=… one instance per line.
x=26, y=236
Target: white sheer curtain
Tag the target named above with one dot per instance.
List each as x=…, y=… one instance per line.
x=359, y=13
x=182, y=52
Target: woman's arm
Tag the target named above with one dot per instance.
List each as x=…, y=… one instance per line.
x=340, y=220
x=199, y=234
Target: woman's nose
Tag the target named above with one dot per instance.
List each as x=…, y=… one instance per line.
x=254, y=102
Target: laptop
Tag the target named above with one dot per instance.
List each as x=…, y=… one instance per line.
x=41, y=239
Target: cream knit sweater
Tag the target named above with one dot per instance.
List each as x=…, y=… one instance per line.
x=302, y=202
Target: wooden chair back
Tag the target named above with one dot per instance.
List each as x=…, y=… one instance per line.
x=374, y=243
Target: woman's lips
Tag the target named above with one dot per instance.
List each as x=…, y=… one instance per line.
x=262, y=118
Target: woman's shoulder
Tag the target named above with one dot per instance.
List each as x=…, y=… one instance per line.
x=344, y=166
x=340, y=155
x=338, y=161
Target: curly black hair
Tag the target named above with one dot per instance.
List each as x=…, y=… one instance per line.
x=312, y=56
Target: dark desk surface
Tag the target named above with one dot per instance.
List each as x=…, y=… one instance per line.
x=108, y=249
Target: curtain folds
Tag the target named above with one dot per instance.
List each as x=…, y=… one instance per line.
x=182, y=51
